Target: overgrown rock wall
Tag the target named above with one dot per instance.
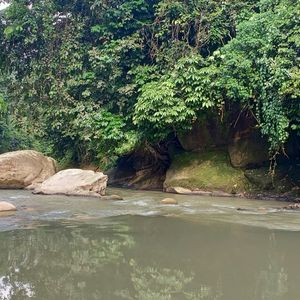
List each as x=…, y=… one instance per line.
x=213, y=159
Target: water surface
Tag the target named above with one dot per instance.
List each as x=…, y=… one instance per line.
x=58, y=247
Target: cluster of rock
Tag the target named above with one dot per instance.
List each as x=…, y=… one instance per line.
x=213, y=159
x=32, y=170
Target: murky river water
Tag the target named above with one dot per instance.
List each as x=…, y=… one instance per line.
x=64, y=248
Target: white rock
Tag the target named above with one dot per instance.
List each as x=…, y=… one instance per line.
x=5, y=207
x=169, y=201
x=74, y=182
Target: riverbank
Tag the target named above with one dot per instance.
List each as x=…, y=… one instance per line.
x=208, y=173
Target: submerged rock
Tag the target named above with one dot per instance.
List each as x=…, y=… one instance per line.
x=20, y=169
x=169, y=201
x=112, y=197
x=184, y=191
x=6, y=206
x=74, y=182
x=295, y=206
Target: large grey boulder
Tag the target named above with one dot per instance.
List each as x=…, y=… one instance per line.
x=74, y=182
x=20, y=169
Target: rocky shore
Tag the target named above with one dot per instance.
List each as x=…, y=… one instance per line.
x=32, y=170
x=214, y=159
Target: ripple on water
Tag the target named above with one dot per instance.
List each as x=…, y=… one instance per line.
x=41, y=208
x=19, y=197
x=150, y=213
x=56, y=214
x=141, y=203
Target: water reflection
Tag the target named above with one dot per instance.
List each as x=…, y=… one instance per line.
x=9, y=289
x=272, y=282
x=140, y=258
x=46, y=263
x=150, y=283
x=59, y=261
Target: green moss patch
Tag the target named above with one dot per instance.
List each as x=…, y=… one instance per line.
x=208, y=171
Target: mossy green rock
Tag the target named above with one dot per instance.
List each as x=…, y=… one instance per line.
x=209, y=171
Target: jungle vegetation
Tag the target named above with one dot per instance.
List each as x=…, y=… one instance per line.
x=95, y=79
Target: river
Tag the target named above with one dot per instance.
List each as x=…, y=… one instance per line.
x=61, y=248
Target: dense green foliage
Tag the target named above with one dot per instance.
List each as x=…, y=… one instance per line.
x=95, y=78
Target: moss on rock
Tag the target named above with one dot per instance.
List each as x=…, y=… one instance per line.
x=207, y=171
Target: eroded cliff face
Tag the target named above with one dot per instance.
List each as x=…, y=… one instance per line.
x=214, y=158
x=143, y=169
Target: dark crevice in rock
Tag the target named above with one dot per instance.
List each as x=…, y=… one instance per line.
x=144, y=168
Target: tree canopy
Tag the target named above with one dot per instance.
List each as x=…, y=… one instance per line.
x=95, y=78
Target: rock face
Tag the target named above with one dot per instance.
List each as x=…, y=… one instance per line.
x=204, y=134
x=143, y=169
x=5, y=207
x=21, y=169
x=246, y=146
x=251, y=150
x=74, y=182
